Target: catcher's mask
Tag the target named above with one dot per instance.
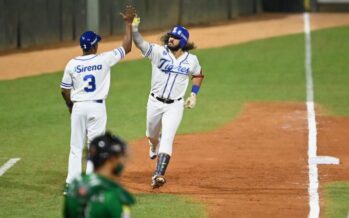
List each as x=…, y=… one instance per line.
x=105, y=146
x=89, y=39
x=181, y=33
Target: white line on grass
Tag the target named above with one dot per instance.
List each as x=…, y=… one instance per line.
x=313, y=159
x=8, y=165
x=313, y=172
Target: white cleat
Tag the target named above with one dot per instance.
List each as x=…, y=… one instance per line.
x=154, y=149
x=153, y=153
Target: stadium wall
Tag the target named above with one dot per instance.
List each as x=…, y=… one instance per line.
x=25, y=24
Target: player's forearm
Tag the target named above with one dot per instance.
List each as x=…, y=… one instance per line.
x=140, y=42
x=66, y=96
x=127, y=42
x=196, y=83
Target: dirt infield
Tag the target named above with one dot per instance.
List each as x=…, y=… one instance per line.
x=333, y=140
x=255, y=166
x=245, y=29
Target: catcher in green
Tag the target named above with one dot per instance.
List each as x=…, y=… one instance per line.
x=98, y=194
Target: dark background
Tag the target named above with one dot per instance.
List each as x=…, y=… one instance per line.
x=29, y=23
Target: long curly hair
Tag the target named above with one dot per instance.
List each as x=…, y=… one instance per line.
x=189, y=46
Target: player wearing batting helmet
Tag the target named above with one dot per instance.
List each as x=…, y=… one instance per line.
x=85, y=86
x=99, y=194
x=172, y=68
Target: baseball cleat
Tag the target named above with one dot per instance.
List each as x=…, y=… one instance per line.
x=157, y=181
x=153, y=152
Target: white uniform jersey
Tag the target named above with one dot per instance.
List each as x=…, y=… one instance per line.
x=88, y=76
x=170, y=76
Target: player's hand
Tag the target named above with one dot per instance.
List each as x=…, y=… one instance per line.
x=70, y=105
x=191, y=101
x=129, y=14
x=135, y=23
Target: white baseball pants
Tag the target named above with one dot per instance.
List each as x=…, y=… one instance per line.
x=164, y=118
x=88, y=118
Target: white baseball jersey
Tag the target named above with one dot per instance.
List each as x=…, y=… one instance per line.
x=89, y=76
x=170, y=76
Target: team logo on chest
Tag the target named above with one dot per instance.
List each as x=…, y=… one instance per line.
x=167, y=67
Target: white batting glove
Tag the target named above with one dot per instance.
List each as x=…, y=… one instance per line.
x=191, y=101
x=135, y=23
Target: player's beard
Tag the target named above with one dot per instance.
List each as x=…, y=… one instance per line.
x=173, y=48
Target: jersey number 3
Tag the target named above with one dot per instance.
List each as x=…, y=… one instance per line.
x=91, y=83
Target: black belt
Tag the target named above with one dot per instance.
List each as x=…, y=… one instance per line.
x=165, y=100
x=97, y=101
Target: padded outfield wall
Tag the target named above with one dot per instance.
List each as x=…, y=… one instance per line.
x=25, y=23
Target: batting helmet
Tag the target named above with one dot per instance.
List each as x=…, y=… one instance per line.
x=105, y=146
x=180, y=33
x=88, y=39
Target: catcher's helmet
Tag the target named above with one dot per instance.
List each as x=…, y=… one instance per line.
x=181, y=33
x=105, y=146
x=88, y=39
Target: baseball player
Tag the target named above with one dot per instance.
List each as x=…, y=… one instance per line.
x=85, y=86
x=98, y=194
x=172, y=67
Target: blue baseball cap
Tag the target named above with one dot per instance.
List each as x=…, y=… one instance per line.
x=181, y=33
x=88, y=39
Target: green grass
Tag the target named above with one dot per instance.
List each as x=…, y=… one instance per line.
x=331, y=82
x=35, y=125
x=330, y=66
x=163, y=205
x=336, y=200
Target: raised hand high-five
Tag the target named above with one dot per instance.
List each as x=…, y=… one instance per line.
x=128, y=14
x=135, y=23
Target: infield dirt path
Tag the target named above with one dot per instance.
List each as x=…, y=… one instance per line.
x=242, y=30
x=255, y=166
